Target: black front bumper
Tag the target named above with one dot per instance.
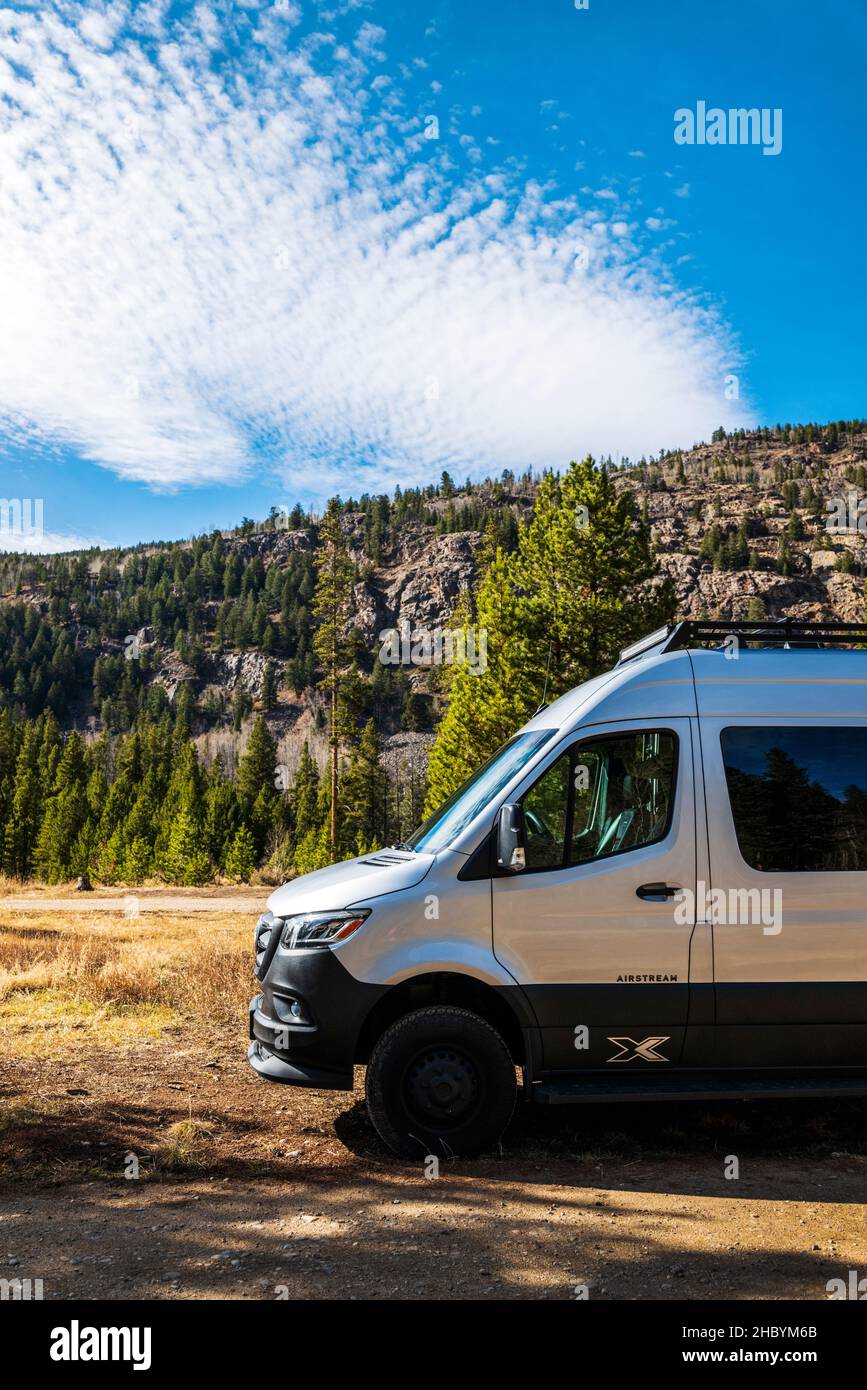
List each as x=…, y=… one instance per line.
x=320, y=1049
x=272, y=1062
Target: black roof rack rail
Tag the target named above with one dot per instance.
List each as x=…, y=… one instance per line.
x=781, y=632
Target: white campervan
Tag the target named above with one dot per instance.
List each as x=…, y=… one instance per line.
x=657, y=888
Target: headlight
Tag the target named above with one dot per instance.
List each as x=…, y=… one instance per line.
x=321, y=928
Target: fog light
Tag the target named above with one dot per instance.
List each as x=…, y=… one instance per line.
x=289, y=1010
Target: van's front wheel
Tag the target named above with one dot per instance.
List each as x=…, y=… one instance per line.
x=440, y=1081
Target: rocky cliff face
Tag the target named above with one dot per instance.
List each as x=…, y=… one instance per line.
x=746, y=526
x=750, y=482
x=420, y=585
x=776, y=491
x=769, y=487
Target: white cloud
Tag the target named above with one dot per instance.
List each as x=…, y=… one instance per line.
x=368, y=39
x=48, y=543
x=209, y=270
x=288, y=11
x=344, y=7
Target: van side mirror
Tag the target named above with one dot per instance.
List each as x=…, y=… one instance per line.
x=510, y=851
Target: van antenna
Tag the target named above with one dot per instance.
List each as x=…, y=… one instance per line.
x=545, y=688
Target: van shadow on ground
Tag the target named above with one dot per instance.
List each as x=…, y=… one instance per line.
x=793, y=1150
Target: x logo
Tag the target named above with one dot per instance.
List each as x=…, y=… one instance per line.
x=646, y=1050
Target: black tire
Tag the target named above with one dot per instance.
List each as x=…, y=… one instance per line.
x=440, y=1081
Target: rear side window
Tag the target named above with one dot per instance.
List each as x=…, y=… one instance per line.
x=798, y=797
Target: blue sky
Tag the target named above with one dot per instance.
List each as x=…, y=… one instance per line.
x=237, y=273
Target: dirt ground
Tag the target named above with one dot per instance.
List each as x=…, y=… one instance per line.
x=247, y=1190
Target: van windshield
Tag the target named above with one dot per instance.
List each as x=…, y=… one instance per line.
x=478, y=791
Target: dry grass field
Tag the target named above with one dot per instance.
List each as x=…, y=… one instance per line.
x=101, y=979
x=140, y=1156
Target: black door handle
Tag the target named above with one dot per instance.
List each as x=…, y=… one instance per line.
x=657, y=892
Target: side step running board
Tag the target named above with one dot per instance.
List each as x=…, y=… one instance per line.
x=694, y=1086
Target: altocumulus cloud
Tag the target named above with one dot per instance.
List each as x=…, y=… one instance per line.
x=228, y=246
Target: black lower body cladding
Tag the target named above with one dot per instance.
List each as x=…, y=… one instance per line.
x=318, y=1047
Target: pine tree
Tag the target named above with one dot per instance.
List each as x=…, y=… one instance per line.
x=66, y=814
x=304, y=801
x=364, y=792
x=185, y=859
x=414, y=714
x=256, y=784
x=331, y=606
x=555, y=614
x=22, y=826
x=259, y=764
x=586, y=562
x=314, y=850
x=269, y=687
x=242, y=705
x=486, y=707
x=240, y=859
x=223, y=812
x=136, y=863
x=755, y=610
x=182, y=805
x=784, y=561
x=185, y=708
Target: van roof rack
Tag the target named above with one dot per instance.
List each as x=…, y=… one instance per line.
x=782, y=632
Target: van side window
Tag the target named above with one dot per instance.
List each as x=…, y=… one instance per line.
x=605, y=796
x=546, y=812
x=624, y=793
x=798, y=797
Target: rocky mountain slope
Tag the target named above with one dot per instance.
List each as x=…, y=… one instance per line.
x=771, y=489
x=761, y=485
x=745, y=526
x=747, y=482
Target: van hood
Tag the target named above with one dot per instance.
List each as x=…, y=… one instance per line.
x=352, y=882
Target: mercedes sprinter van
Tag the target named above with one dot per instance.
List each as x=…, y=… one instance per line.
x=656, y=889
